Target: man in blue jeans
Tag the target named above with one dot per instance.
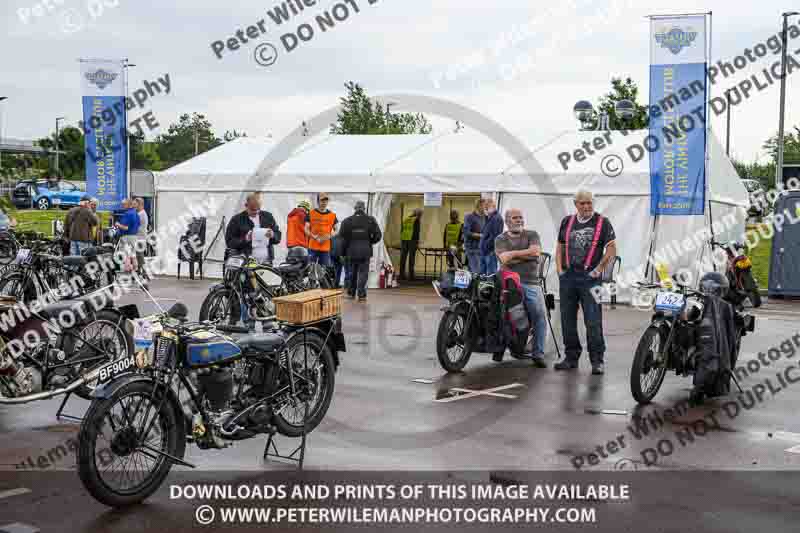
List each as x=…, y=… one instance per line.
x=493, y=228
x=580, y=261
x=473, y=227
x=519, y=250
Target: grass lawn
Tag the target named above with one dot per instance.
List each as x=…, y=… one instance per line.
x=38, y=220
x=761, y=255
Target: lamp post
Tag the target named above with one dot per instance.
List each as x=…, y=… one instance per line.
x=1, y=131
x=585, y=112
x=388, y=114
x=125, y=67
x=57, y=119
x=784, y=40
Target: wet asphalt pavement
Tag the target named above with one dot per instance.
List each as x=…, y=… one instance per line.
x=395, y=409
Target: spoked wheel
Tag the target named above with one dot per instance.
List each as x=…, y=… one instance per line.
x=221, y=305
x=122, y=443
x=15, y=284
x=453, y=343
x=104, y=333
x=313, y=368
x=647, y=373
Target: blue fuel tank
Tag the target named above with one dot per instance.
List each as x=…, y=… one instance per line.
x=208, y=348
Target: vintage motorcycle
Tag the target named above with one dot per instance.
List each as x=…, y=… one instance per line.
x=672, y=340
x=136, y=428
x=248, y=288
x=38, y=273
x=739, y=271
x=66, y=358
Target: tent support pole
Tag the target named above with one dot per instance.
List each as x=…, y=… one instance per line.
x=653, y=237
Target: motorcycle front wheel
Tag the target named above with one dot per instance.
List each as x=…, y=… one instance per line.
x=646, y=375
x=117, y=465
x=453, y=342
x=221, y=305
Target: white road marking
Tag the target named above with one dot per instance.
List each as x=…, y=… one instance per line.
x=18, y=527
x=614, y=412
x=423, y=380
x=786, y=435
x=468, y=393
x=13, y=492
x=793, y=449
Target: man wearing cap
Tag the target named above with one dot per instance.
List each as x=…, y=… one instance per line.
x=359, y=233
x=320, y=227
x=580, y=261
x=78, y=226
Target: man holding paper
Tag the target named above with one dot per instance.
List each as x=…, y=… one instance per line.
x=253, y=232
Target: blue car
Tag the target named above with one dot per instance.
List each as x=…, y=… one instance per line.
x=44, y=194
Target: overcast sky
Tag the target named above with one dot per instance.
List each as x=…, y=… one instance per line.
x=522, y=63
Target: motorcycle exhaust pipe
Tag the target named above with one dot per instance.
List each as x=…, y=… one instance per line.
x=46, y=395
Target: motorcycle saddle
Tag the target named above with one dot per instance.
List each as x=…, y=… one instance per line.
x=74, y=260
x=290, y=269
x=77, y=305
x=262, y=342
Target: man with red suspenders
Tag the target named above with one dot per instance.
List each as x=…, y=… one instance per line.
x=580, y=261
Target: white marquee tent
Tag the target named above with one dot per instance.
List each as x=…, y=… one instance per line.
x=372, y=168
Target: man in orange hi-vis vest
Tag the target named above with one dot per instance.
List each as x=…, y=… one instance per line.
x=586, y=244
x=320, y=227
x=296, y=226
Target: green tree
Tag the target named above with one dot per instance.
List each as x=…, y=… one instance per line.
x=190, y=136
x=71, y=162
x=622, y=90
x=763, y=172
x=791, y=146
x=362, y=116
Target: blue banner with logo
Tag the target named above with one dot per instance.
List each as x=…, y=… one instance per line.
x=678, y=96
x=104, y=120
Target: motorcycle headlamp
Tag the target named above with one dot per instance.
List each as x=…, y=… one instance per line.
x=692, y=311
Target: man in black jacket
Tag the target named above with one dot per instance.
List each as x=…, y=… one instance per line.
x=359, y=233
x=239, y=234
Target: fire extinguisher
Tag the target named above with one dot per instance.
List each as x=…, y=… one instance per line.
x=389, y=276
x=382, y=277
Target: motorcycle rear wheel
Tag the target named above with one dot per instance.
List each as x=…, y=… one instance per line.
x=453, y=338
x=646, y=378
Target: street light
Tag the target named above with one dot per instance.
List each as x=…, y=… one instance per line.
x=585, y=112
x=57, y=119
x=1, y=131
x=779, y=166
x=388, y=114
x=126, y=66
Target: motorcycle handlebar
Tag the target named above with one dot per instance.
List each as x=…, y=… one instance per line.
x=227, y=328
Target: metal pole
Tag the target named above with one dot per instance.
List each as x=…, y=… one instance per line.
x=779, y=162
x=1, y=132
x=57, y=170
x=127, y=137
x=728, y=128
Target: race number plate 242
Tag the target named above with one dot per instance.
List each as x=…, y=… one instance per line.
x=462, y=279
x=670, y=302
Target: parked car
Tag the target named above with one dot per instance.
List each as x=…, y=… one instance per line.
x=44, y=194
x=758, y=199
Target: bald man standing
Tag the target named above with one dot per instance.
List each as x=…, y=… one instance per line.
x=586, y=244
x=239, y=233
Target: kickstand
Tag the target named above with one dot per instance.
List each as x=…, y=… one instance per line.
x=60, y=414
x=271, y=450
x=553, y=333
x=733, y=377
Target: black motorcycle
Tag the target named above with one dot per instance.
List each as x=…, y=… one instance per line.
x=739, y=270
x=136, y=428
x=248, y=288
x=65, y=358
x=671, y=341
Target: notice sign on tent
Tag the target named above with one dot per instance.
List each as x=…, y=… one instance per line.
x=433, y=199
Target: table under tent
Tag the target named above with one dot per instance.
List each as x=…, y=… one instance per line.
x=392, y=172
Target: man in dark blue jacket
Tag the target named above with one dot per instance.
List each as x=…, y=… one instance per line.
x=491, y=230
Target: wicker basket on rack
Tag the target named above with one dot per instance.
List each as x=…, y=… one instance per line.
x=308, y=306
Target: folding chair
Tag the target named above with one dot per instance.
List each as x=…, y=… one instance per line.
x=545, y=261
x=612, y=268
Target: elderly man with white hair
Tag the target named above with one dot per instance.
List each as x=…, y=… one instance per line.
x=519, y=250
x=580, y=261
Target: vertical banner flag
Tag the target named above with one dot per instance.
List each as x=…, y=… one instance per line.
x=104, y=126
x=678, y=96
